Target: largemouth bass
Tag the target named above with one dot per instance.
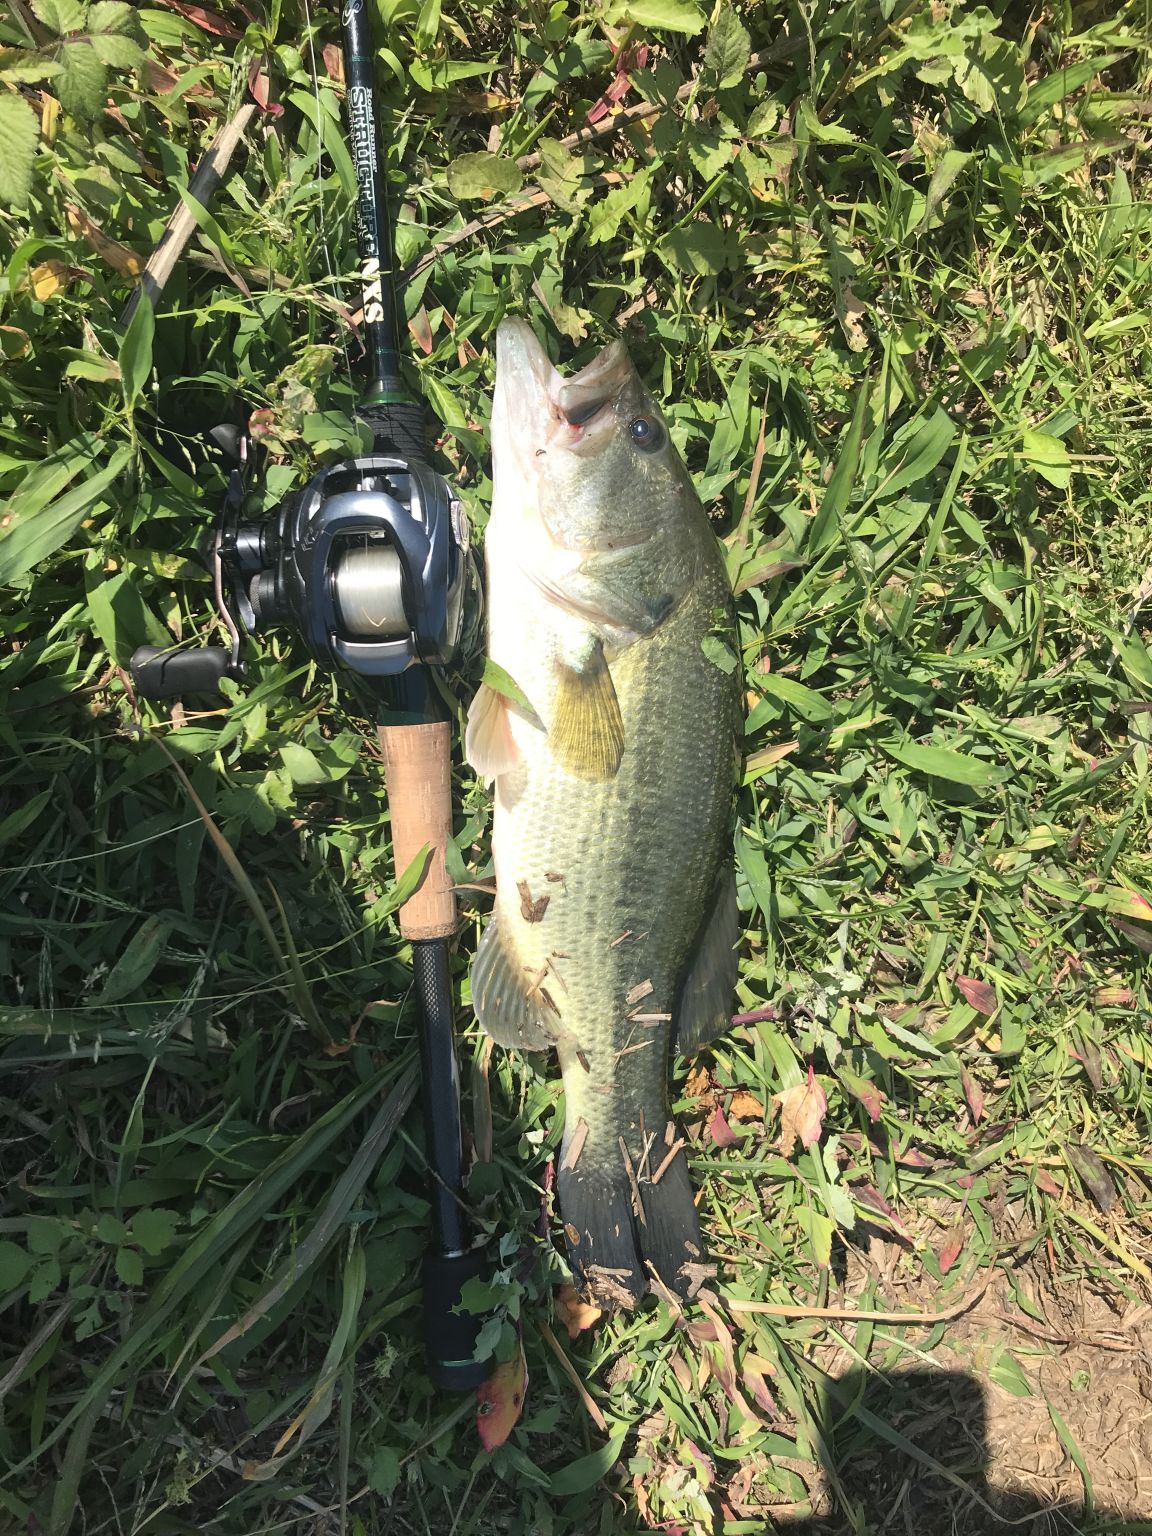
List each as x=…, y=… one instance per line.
x=614, y=757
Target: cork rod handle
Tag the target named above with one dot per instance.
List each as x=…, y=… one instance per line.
x=418, y=774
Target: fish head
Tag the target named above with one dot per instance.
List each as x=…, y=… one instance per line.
x=589, y=456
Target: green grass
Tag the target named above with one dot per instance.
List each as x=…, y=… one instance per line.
x=891, y=281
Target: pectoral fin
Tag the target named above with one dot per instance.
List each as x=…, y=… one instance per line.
x=488, y=741
x=508, y=1008
x=703, y=1008
x=587, y=731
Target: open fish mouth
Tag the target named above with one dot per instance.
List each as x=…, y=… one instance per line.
x=541, y=408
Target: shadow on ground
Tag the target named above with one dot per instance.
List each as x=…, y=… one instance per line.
x=909, y=1455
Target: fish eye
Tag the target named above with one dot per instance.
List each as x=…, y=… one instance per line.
x=646, y=433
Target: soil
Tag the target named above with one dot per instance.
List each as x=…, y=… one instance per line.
x=1045, y=1425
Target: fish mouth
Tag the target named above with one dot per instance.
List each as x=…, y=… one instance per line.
x=546, y=409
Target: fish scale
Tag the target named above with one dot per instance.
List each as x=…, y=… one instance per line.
x=630, y=862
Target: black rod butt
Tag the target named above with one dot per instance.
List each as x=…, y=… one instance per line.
x=450, y=1336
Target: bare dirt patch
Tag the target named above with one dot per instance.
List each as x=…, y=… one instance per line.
x=1039, y=1423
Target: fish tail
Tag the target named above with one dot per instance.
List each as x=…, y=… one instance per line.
x=670, y=1235
x=596, y=1209
x=624, y=1218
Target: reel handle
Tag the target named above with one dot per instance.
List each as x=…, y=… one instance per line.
x=165, y=674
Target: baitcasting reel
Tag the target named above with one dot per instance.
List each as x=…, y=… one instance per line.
x=368, y=564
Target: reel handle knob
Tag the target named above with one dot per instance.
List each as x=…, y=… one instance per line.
x=165, y=674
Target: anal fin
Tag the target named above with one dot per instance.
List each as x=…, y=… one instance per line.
x=508, y=1010
x=703, y=1008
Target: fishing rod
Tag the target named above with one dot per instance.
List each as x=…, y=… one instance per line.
x=369, y=565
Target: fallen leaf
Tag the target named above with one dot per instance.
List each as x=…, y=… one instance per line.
x=485, y=102
x=745, y=1106
x=1090, y=1059
x=912, y=1158
x=767, y=758
x=853, y=308
x=574, y=1312
x=974, y=1095
x=697, y=1083
x=120, y=257
x=978, y=994
x=500, y=1400
x=802, y=1110
x=158, y=79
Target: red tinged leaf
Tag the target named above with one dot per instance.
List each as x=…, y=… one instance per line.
x=261, y=87
x=701, y=1465
x=720, y=1131
x=871, y=1199
x=950, y=1250
x=631, y=58
x=979, y=995
x=974, y=1095
x=864, y=1089
x=333, y=56
x=1115, y=997
x=1135, y=904
x=209, y=21
x=500, y=1401
x=1046, y=1183
x=1139, y=936
x=802, y=1110
x=754, y=1372
x=420, y=329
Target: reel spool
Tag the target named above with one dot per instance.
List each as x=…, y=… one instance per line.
x=368, y=565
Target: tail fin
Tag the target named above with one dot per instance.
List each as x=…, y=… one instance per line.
x=619, y=1219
